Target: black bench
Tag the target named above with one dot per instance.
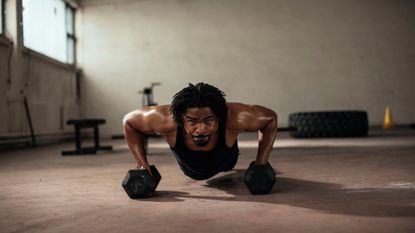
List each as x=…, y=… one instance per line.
x=86, y=123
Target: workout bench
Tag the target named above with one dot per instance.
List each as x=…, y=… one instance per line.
x=86, y=123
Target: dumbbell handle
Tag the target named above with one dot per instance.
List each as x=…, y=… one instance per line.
x=145, y=168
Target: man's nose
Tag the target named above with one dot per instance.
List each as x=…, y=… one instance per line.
x=201, y=128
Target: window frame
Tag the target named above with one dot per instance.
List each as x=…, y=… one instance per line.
x=38, y=54
x=4, y=41
x=73, y=35
x=2, y=17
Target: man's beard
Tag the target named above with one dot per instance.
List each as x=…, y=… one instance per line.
x=201, y=143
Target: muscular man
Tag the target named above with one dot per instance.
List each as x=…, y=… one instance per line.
x=201, y=129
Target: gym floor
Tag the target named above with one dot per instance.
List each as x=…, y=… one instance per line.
x=325, y=185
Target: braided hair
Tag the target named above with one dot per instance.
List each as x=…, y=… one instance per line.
x=199, y=96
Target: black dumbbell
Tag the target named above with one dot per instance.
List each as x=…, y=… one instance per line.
x=259, y=179
x=138, y=183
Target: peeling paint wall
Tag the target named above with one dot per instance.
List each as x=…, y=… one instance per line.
x=49, y=86
x=287, y=55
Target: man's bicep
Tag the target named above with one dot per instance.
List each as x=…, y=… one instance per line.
x=149, y=120
x=254, y=117
x=139, y=121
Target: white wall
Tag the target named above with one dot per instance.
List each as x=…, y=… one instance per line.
x=50, y=87
x=292, y=55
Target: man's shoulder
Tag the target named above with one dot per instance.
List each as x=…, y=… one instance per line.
x=234, y=111
x=157, y=111
x=236, y=107
x=161, y=111
x=159, y=118
x=160, y=108
x=242, y=116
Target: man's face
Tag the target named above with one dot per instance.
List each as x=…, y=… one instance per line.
x=201, y=124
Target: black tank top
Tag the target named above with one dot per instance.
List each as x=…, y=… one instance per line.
x=203, y=164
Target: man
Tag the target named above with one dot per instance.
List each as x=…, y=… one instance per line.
x=201, y=129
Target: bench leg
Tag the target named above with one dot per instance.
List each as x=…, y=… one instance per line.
x=78, y=145
x=78, y=139
x=96, y=137
x=87, y=150
x=96, y=140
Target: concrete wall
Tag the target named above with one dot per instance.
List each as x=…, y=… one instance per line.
x=289, y=55
x=50, y=86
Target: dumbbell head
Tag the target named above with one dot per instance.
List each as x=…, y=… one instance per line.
x=259, y=179
x=138, y=183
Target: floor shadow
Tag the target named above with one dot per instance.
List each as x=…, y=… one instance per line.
x=325, y=197
x=166, y=196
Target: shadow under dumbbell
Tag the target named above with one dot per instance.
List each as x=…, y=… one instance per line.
x=320, y=196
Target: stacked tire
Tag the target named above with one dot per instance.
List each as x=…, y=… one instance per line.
x=329, y=124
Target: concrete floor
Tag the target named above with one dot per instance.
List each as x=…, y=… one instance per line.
x=337, y=185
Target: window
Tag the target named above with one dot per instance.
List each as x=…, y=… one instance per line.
x=70, y=34
x=1, y=17
x=48, y=28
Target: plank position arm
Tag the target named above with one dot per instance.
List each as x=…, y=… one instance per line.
x=255, y=118
x=147, y=120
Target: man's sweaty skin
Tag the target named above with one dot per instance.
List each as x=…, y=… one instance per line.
x=200, y=122
x=201, y=127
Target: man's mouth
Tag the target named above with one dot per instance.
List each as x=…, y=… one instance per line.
x=200, y=137
x=201, y=140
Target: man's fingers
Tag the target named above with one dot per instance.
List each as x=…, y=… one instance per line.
x=145, y=167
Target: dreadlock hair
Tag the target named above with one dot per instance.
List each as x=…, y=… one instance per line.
x=199, y=96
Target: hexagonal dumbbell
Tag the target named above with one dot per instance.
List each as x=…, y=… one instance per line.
x=259, y=179
x=138, y=183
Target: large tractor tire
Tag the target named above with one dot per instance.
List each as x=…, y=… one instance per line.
x=329, y=124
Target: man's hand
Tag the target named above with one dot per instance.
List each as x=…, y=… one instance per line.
x=255, y=118
x=148, y=120
x=139, y=184
x=145, y=167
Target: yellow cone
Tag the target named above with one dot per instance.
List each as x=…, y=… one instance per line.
x=387, y=123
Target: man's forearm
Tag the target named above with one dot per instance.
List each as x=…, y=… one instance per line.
x=135, y=141
x=266, y=142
